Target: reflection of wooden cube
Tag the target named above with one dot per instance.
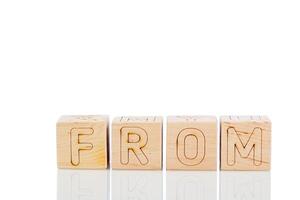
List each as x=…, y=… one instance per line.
x=137, y=143
x=191, y=185
x=77, y=184
x=245, y=185
x=245, y=143
x=136, y=185
x=82, y=142
x=192, y=143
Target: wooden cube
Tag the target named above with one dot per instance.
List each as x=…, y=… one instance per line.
x=192, y=143
x=82, y=142
x=137, y=143
x=245, y=143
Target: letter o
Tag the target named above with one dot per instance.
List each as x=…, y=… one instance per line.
x=181, y=146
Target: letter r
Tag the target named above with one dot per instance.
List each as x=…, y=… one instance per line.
x=133, y=139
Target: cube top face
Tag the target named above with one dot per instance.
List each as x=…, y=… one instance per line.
x=82, y=142
x=191, y=143
x=137, y=119
x=245, y=119
x=137, y=143
x=191, y=119
x=245, y=143
x=82, y=118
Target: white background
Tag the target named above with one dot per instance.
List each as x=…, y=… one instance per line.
x=143, y=58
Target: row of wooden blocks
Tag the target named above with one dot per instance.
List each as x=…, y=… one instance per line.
x=137, y=142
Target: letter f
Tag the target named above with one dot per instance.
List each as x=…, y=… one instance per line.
x=76, y=145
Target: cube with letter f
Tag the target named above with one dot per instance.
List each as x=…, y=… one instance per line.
x=245, y=143
x=82, y=142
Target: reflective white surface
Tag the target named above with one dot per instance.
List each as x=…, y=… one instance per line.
x=191, y=185
x=83, y=185
x=150, y=185
x=245, y=185
x=134, y=185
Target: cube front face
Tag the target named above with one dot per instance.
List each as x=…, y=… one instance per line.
x=191, y=143
x=245, y=143
x=82, y=142
x=137, y=143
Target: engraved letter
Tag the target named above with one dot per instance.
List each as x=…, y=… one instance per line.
x=77, y=145
x=236, y=144
x=133, y=139
x=196, y=146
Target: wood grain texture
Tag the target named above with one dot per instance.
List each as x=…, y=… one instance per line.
x=82, y=142
x=245, y=143
x=137, y=143
x=191, y=143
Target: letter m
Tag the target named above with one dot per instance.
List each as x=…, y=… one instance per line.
x=245, y=145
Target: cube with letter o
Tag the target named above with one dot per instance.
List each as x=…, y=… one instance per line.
x=191, y=143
